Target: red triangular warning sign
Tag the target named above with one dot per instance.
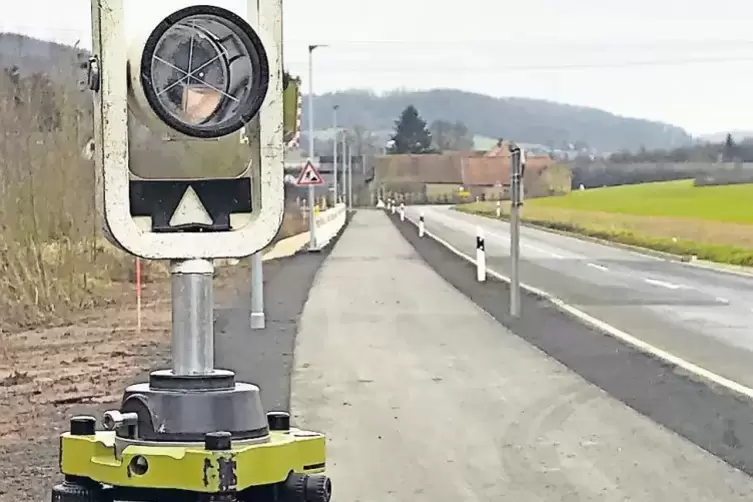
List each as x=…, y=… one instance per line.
x=309, y=176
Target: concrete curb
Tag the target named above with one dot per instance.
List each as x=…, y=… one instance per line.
x=329, y=223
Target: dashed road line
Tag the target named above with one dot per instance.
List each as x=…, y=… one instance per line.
x=664, y=284
x=597, y=266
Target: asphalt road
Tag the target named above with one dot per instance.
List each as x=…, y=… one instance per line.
x=703, y=316
x=424, y=396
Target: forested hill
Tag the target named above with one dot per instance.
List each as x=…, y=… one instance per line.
x=526, y=120
x=31, y=55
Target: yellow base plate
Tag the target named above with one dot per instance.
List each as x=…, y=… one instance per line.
x=193, y=468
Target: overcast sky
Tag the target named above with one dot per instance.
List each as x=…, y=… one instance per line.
x=687, y=62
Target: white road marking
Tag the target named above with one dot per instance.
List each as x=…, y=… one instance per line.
x=722, y=300
x=542, y=250
x=663, y=284
x=600, y=267
x=610, y=330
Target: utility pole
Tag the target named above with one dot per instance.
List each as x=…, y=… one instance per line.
x=517, y=168
x=345, y=144
x=311, y=193
x=334, y=154
x=350, y=177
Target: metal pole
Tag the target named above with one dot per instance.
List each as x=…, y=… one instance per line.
x=334, y=153
x=257, y=292
x=515, y=232
x=257, y=319
x=192, y=317
x=344, y=172
x=312, y=219
x=350, y=177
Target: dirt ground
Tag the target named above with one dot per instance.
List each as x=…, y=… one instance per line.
x=50, y=374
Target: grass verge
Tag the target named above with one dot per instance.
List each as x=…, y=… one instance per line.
x=674, y=199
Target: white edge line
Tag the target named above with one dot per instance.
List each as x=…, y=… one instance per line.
x=609, y=329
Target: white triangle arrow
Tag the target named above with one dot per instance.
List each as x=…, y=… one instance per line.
x=190, y=210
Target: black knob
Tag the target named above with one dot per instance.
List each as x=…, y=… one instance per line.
x=83, y=425
x=217, y=441
x=305, y=488
x=278, y=421
x=318, y=489
x=73, y=491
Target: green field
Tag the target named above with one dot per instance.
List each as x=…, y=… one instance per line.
x=712, y=222
x=730, y=203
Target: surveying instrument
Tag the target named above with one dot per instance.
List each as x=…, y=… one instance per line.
x=202, y=75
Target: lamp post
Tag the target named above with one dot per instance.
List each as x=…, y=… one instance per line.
x=334, y=153
x=311, y=194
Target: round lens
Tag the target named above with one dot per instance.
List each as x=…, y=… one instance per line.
x=204, y=73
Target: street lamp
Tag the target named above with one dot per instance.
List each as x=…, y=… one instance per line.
x=334, y=152
x=312, y=220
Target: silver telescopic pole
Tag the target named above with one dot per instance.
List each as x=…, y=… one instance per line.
x=192, y=317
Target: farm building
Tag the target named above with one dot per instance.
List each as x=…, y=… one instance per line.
x=455, y=176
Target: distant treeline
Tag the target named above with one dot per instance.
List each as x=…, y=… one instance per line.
x=709, y=163
x=728, y=151
x=604, y=173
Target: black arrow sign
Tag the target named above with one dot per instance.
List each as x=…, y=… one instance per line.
x=159, y=199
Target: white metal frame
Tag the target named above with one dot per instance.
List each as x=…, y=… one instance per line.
x=111, y=140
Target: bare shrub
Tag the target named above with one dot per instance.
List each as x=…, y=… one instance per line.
x=48, y=234
x=53, y=257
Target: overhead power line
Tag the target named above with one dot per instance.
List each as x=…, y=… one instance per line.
x=418, y=68
x=591, y=44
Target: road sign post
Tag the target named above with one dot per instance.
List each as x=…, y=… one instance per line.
x=310, y=177
x=517, y=166
x=198, y=77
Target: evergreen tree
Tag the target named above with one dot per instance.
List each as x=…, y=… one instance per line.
x=729, y=148
x=411, y=134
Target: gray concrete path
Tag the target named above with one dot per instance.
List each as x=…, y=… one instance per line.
x=424, y=397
